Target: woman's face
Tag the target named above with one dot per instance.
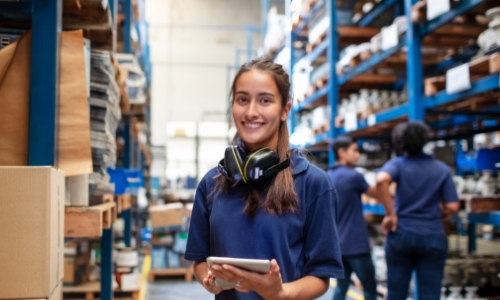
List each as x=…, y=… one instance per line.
x=257, y=110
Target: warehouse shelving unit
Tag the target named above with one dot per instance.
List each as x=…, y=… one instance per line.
x=419, y=106
x=45, y=18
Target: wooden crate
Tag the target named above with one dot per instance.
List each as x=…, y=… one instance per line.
x=89, y=291
x=89, y=221
x=186, y=272
x=479, y=68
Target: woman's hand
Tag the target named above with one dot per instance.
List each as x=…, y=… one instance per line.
x=209, y=284
x=269, y=286
x=390, y=223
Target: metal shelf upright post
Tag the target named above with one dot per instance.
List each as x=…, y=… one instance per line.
x=333, y=84
x=126, y=214
x=44, y=96
x=414, y=66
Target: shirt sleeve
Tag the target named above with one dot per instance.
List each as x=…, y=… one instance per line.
x=449, y=191
x=361, y=184
x=321, y=246
x=198, y=244
x=392, y=169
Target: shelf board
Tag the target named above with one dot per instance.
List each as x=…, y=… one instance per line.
x=88, y=221
x=459, y=9
x=480, y=204
x=483, y=85
x=368, y=64
x=86, y=14
x=391, y=114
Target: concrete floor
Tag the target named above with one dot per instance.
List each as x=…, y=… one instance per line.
x=180, y=290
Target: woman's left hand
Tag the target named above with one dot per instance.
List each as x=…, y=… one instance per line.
x=269, y=286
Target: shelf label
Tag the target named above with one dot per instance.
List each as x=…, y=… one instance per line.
x=372, y=120
x=435, y=8
x=458, y=79
x=390, y=37
x=351, y=121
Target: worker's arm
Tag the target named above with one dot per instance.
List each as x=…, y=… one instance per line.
x=390, y=221
x=450, y=209
x=205, y=277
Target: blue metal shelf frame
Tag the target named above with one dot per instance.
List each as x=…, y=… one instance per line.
x=44, y=96
x=482, y=85
x=459, y=9
x=333, y=87
x=370, y=63
x=373, y=14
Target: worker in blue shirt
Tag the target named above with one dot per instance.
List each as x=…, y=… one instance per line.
x=353, y=234
x=425, y=196
x=265, y=201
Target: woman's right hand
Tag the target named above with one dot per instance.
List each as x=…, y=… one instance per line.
x=209, y=284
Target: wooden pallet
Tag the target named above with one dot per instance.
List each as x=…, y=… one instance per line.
x=89, y=221
x=186, y=272
x=480, y=204
x=89, y=291
x=479, y=68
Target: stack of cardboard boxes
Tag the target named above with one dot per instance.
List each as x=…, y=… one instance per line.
x=31, y=232
x=170, y=224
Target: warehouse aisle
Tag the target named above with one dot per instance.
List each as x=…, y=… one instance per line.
x=180, y=290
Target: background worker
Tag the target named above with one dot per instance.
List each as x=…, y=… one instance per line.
x=353, y=234
x=416, y=238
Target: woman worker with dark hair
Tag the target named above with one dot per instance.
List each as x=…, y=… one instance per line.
x=425, y=196
x=288, y=217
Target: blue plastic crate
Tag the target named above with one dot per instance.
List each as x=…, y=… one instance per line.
x=127, y=181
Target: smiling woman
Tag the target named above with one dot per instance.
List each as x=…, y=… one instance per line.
x=288, y=218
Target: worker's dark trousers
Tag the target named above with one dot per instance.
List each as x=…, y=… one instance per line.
x=407, y=252
x=362, y=266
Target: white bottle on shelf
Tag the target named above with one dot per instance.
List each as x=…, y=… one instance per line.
x=363, y=101
x=385, y=100
x=486, y=184
x=455, y=293
x=353, y=100
x=344, y=103
x=375, y=100
x=394, y=98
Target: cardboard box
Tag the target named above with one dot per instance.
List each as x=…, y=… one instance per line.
x=56, y=295
x=77, y=190
x=189, y=209
x=31, y=231
x=167, y=215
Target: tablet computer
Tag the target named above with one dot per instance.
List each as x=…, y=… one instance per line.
x=261, y=266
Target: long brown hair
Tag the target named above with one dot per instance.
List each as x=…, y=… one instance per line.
x=280, y=195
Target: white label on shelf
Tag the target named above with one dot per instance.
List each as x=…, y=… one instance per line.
x=390, y=37
x=372, y=120
x=435, y=8
x=458, y=79
x=351, y=121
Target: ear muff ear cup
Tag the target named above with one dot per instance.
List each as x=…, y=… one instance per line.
x=258, y=163
x=233, y=163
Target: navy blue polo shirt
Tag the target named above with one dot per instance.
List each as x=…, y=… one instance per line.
x=422, y=183
x=353, y=233
x=303, y=243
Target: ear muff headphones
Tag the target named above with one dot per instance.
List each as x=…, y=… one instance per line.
x=258, y=166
